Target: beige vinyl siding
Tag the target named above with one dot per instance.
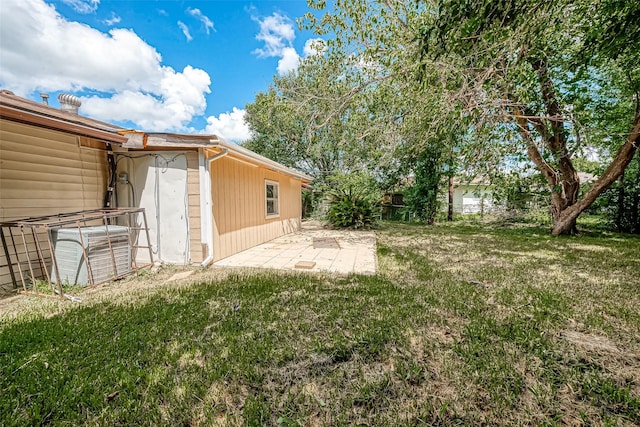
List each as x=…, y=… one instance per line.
x=239, y=212
x=44, y=172
x=193, y=192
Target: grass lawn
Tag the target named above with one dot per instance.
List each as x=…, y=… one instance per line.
x=464, y=325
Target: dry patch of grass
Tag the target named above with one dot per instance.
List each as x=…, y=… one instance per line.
x=464, y=325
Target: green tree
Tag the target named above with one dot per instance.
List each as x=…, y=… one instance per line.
x=318, y=120
x=524, y=77
x=422, y=197
x=539, y=68
x=277, y=131
x=621, y=202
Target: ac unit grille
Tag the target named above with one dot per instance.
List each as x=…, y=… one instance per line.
x=68, y=249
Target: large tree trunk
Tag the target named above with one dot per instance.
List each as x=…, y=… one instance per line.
x=614, y=170
x=554, y=136
x=565, y=210
x=562, y=180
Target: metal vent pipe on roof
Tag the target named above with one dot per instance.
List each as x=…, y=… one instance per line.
x=45, y=98
x=69, y=103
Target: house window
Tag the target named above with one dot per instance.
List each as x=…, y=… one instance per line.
x=272, y=198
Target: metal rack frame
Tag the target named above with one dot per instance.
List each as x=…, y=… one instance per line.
x=15, y=234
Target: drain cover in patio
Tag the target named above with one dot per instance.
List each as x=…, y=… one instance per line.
x=325, y=243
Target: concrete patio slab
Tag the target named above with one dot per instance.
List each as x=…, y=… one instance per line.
x=336, y=251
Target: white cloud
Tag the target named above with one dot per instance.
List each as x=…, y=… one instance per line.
x=314, y=47
x=289, y=61
x=277, y=33
x=83, y=6
x=230, y=126
x=179, y=98
x=42, y=51
x=185, y=30
x=196, y=13
x=115, y=19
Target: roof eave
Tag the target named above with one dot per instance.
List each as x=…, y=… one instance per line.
x=31, y=118
x=165, y=140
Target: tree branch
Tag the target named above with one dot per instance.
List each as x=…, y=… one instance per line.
x=622, y=158
x=533, y=152
x=557, y=141
x=398, y=19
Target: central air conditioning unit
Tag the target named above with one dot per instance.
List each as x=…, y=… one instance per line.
x=98, y=242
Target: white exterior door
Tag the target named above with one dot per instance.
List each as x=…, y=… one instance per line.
x=160, y=183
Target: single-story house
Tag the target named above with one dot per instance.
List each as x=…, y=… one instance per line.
x=51, y=161
x=205, y=198
x=472, y=197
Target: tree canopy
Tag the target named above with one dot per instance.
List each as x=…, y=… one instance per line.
x=514, y=80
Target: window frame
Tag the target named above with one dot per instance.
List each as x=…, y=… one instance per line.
x=276, y=199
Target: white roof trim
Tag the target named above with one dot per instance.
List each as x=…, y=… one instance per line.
x=168, y=140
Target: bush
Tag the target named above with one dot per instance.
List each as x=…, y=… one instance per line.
x=353, y=201
x=349, y=210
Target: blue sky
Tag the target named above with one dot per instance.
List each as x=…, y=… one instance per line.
x=155, y=65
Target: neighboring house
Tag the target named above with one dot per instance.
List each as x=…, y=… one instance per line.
x=587, y=178
x=471, y=197
x=205, y=198
x=476, y=196
x=393, y=206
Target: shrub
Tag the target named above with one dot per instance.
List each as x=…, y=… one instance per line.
x=353, y=201
x=349, y=210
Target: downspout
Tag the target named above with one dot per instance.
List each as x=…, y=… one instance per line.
x=206, y=204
